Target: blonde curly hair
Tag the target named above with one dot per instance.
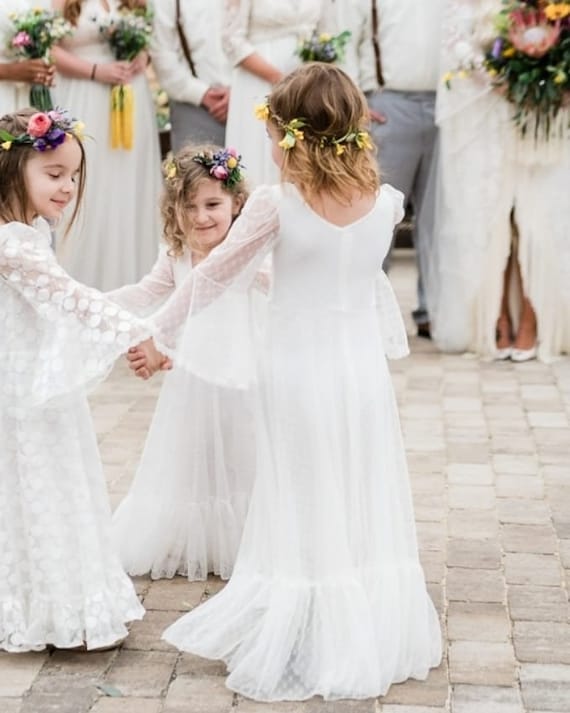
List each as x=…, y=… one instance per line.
x=330, y=106
x=183, y=174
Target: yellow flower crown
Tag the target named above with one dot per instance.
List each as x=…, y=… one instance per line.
x=294, y=132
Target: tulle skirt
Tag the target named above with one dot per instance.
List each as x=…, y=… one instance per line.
x=328, y=596
x=186, y=508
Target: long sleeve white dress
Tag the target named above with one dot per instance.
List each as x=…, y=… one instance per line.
x=61, y=581
x=328, y=595
x=186, y=507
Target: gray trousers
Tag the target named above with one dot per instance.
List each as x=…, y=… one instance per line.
x=194, y=123
x=406, y=150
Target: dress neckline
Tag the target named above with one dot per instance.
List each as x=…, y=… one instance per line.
x=334, y=226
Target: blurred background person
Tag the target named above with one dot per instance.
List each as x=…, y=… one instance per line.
x=401, y=77
x=16, y=75
x=116, y=240
x=500, y=276
x=261, y=38
x=192, y=68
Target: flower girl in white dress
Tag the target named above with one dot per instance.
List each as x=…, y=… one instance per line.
x=61, y=582
x=185, y=511
x=327, y=596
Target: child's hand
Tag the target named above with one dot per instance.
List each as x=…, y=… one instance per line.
x=145, y=359
x=166, y=364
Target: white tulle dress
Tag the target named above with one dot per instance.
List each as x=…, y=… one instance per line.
x=486, y=170
x=115, y=240
x=273, y=29
x=186, y=507
x=61, y=581
x=327, y=596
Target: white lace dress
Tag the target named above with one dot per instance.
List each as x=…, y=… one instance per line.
x=115, y=240
x=61, y=581
x=485, y=171
x=327, y=596
x=186, y=507
x=273, y=29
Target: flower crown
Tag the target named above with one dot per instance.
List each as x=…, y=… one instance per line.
x=295, y=130
x=45, y=131
x=225, y=165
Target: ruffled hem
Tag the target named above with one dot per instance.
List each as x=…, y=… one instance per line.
x=98, y=620
x=351, y=636
x=179, y=538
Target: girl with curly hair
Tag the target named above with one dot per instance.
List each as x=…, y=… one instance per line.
x=185, y=510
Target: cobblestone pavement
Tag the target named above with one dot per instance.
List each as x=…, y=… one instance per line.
x=489, y=454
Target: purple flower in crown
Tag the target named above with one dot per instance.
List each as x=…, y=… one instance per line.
x=55, y=137
x=40, y=145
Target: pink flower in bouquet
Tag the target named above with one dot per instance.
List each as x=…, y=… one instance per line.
x=232, y=152
x=22, y=39
x=532, y=34
x=39, y=124
x=220, y=172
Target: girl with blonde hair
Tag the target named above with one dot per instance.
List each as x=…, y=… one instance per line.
x=185, y=510
x=327, y=596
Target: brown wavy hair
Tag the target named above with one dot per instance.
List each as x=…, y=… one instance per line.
x=72, y=8
x=331, y=106
x=180, y=187
x=14, y=198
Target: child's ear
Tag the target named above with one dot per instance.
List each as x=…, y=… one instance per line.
x=237, y=205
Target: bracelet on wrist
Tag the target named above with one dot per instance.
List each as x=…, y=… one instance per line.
x=93, y=70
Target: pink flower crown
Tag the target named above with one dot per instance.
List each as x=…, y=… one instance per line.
x=225, y=165
x=45, y=131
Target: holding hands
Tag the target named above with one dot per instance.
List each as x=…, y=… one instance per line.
x=145, y=360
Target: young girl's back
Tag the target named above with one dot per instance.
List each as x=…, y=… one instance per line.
x=328, y=595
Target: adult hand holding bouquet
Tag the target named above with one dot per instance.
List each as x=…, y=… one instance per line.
x=128, y=34
x=35, y=33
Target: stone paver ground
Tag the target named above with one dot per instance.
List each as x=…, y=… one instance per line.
x=489, y=455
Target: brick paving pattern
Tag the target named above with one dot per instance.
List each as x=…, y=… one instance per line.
x=489, y=453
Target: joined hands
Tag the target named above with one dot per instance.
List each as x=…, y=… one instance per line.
x=145, y=360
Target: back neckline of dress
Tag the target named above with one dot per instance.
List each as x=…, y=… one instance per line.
x=326, y=222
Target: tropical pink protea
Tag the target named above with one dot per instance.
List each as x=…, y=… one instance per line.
x=531, y=33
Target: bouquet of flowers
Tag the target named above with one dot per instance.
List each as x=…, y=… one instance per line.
x=35, y=33
x=324, y=47
x=127, y=33
x=529, y=62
